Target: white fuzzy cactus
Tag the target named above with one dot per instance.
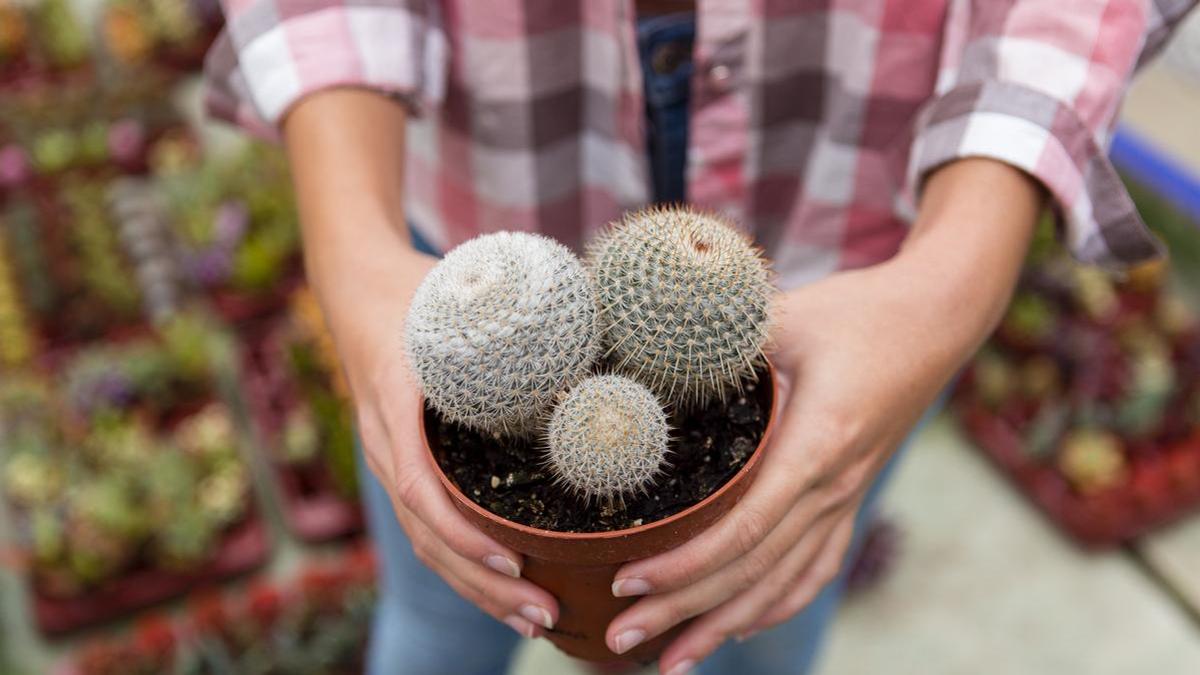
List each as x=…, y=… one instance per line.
x=608, y=438
x=499, y=327
x=684, y=302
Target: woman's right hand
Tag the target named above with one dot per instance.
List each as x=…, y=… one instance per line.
x=342, y=145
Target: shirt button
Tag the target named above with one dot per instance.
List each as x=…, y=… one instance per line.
x=720, y=76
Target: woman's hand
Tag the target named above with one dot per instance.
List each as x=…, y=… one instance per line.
x=345, y=146
x=859, y=356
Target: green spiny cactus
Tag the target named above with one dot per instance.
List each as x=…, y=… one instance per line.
x=607, y=438
x=499, y=327
x=684, y=302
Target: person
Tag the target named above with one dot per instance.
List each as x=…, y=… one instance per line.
x=891, y=157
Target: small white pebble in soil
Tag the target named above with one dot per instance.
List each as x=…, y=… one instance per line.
x=476, y=491
x=637, y=522
x=742, y=401
x=508, y=480
x=496, y=435
x=495, y=482
x=708, y=458
x=750, y=387
x=708, y=441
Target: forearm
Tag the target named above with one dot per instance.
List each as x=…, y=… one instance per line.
x=346, y=149
x=346, y=152
x=966, y=248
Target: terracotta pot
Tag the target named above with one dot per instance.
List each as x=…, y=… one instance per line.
x=578, y=568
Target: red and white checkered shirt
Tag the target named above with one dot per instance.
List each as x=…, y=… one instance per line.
x=812, y=122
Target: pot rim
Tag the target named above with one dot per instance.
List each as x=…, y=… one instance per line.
x=457, y=494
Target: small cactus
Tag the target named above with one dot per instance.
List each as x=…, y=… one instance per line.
x=607, y=438
x=498, y=328
x=684, y=301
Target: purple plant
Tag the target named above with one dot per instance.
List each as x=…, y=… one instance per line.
x=14, y=166
x=230, y=223
x=210, y=266
x=127, y=141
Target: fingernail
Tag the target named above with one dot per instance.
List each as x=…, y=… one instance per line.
x=623, y=588
x=629, y=639
x=523, y=627
x=682, y=668
x=538, y=615
x=503, y=565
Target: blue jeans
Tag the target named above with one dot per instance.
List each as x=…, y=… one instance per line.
x=422, y=627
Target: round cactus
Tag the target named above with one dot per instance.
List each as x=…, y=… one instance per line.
x=684, y=300
x=607, y=438
x=499, y=327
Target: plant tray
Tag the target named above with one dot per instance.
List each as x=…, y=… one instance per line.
x=1163, y=485
x=244, y=548
x=314, y=509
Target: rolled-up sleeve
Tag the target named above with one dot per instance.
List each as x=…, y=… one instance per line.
x=1038, y=85
x=272, y=53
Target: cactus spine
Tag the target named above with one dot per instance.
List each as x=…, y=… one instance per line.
x=607, y=438
x=499, y=327
x=684, y=300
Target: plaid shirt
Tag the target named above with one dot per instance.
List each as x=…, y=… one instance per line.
x=812, y=123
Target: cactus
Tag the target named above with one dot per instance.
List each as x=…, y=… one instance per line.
x=607, y=438
x=683, y=302
x=498, y=328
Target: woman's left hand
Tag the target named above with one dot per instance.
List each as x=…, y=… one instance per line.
x=856, y=365
x=858, y=358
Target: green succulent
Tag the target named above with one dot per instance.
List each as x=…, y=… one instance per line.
x=208, y=434
x=1031, y=318
x=93, y=554
x=47, y=534
x=172, y=20
x=32, y=478
x=192, y=342
x=118, y=442
x=109, y=501
x=995, y=378
x=61, y=32
x=93, y=142
x=186, y=539
x=53, y=150
x=260, y=260
x=169, y=478
x=101, y=259
x=301, y=440
x=25, y=249
x=222, y=495
x=1142, y=409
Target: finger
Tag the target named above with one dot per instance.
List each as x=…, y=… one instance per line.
x=810, y=441
x=415, y=485
x=655, y=614
x=823, y=571
x=738, y=533
x=734, y=618
x=497, y=594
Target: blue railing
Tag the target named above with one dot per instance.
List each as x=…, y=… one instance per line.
x=1145, y=163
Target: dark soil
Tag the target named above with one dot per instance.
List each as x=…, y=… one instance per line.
x=508, y=477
